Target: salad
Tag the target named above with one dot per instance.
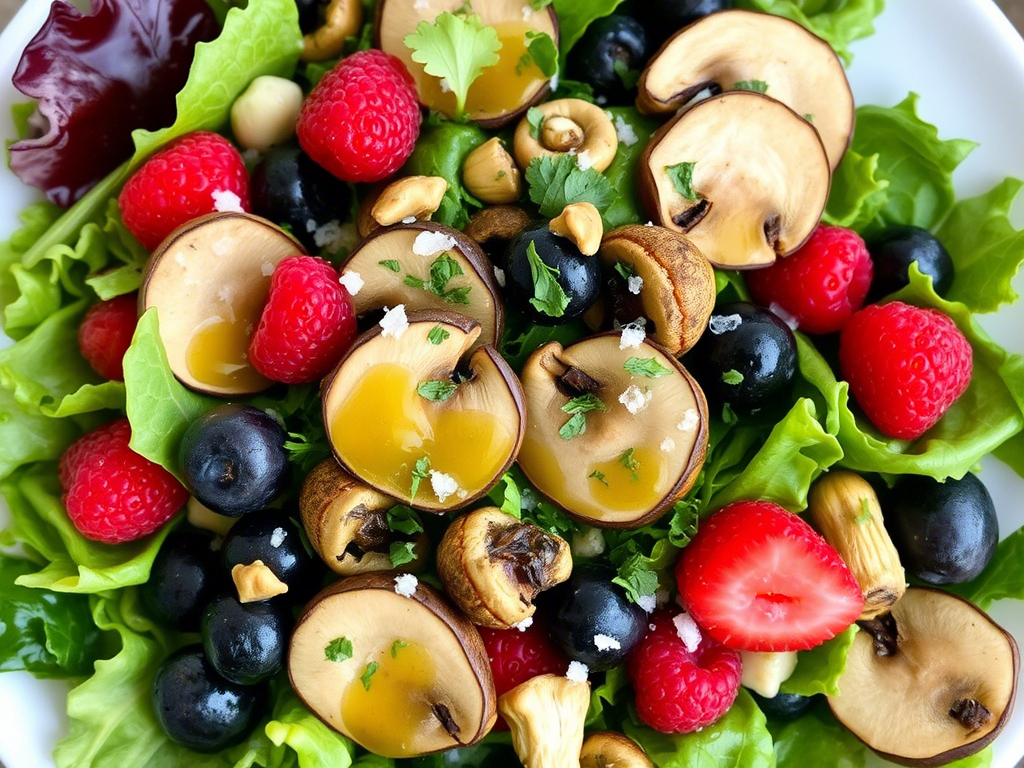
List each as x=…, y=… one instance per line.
x=87, y=607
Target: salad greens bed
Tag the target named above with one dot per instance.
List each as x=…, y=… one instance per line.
x=68, y=608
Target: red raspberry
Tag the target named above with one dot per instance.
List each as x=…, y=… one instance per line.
x=517, y=656
x=184, y=180
x=679, y=690
x=906, y=366
x=105, y=333
x=112, y=494
x=821, y=284
x=361, y=120
x=307, y=324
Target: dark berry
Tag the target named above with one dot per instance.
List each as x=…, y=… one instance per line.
x=610, y=56
x=245, y=642
x=895, y=248
x=233, y=459
x=185, y=576
x=663, y=18
x=783, y=706
x=309, y=15
x=270, y=536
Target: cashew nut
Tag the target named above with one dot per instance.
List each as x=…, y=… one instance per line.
x=490, y=174
x=256, y=582
x=414, y=197
x=580, y=223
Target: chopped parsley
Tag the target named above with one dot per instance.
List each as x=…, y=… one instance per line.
x=396, y=647
x=442, y=270
x=556, y=181
x=402, y=519
x=629, y=77
x=625, y=271
x=732, y=376
x=401, y=552
x=393, y=264
x=681, y=176
x=437, y=335
x=758, y=86
x=629, y=462
x=576, y=408
x=599, y=476
x=368, y=673
x=339, y=649
x=636, y=577
x=534, y=119
x=436, y=391
x=548, y=296
x=420, y=472
x=645, y=366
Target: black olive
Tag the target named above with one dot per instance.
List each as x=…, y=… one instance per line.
x=592, y=619
x=309, y=15
x=198, y=708
x=663, y=18
x=185, y=576
x=945, y=532
x=578, y=276
x=783, y=706
x=610, y=56
x=269, y=535
x=895, y=248
x=291, y=189
x=746, y=358
x=245, y=642
x=233, y=459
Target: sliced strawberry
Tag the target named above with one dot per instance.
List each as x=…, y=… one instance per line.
x=758, y=578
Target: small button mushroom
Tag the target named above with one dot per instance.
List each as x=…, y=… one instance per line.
x=491, y=175
x=256, y=582
x=409, y=198
x=266, y=112
x=342, y=18
x=492, y=228
x=608, y=749
x=581, y=224
x=493, y=566
x=574, y=125
x=546, y=716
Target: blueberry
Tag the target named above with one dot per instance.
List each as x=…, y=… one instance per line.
x=578, y=276
x=746, y=358
x=290, y=188
x=610, y=56
x=233, y=459
x=245, y=642
x=663, y=18
x=945, y=532
x=591, y=618
x=783, y=706
x=185, y=576
x=270, y=536
x=198, y=708
x=309, y=15
x=895, y=248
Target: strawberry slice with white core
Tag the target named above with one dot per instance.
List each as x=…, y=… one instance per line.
x=758, y=578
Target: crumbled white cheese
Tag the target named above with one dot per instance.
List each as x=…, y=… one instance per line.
x=405, y=585
x=394, y=323
x=649, y=224
x=528, y=499
x=688, y=631
x=571, y=151
x=606, y=643
x=689, y=420
x=443, y=485
x=668, y=445
x=577, y=672
x=329, y=235
x=633, y=334
x=527, y=12
x=554, y=82
x=719, y=324
x=525, y=624
x=421, y=5
x=588, y=542
x=311, y=225
x=251, y=156
x=222, y=246
x=446, y=87
x=277, y=537
x=647, y=602
x=462, y=494
x=635, y=284
x=625, y=132
x=267, y=268
x=179, y=258
x=499, y=276
x=409, y=220
x=786, y=317
x=224, y=200
x=226, y=293
x=584, y=160
x=352, y=282
x=430, y=243
x=635, y=399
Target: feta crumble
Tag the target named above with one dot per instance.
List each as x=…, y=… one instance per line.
x=689, y=420
x=554, y=82
x=267, y=269
x=633, y=334
x=499, y=275
x=577, y=672
x=409, y=220
x=635, y=399
x=668, y=445
x=606, y=643
x=688, y=631
x=328, y=236
x=625, y=132
x=446, y=87
x=226, y=293
x=405, y=585
x=352, y=282
x=224, y=200
x=527, y=12
x=584, y=160
x=635, y=284
x=443, y=485
x=277, y=537
x=222, y=246
x=431, y=243
x=394, y=323
x=719, y=324
x=525, y=624
x=311, y=225
x=647, y=602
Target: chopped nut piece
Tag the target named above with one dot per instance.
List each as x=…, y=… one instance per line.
x=607, y=749
x=344, y=18
x=256, y=582
x=580, y=223
x=765, y=671
x=491, y=175
x=417, y=196
x=546, y=715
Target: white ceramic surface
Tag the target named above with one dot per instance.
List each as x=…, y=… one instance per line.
x=961, y=56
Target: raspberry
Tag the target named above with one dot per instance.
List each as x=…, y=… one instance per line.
x=361, y=120
x=821, y=284
x=679, y=690
x=307, y=324
x=112, y=494
x=199, y=173
x=906, y=366
x=105, y=333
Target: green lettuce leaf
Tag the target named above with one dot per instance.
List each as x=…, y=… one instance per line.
x=574, y=17
x=606, y=695
x=495, y=749
x=1003, y=577
x=622, y=172
x=818, y=670
x=857, y=194
x=440, y=150
x=26, y=435
x=817, y=739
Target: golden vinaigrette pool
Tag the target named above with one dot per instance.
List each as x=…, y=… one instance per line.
x=216, y=354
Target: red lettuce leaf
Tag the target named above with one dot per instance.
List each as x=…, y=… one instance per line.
x=98, y=78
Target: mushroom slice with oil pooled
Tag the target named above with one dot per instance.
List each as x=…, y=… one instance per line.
x=742, y=175
x=209, y=282
x=412, y=413
x=616, y=431
x=742, y=50
x=390, y=664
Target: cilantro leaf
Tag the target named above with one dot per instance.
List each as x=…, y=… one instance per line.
x=629, y=462
x=402, y=519
x=557, y=181
x=396, y=647
x=436, y=391
x=393, y=264
x=543, y=52
x=599, y=476
x=645, y=366
x=535, y=119
x=681, y=175
x=437, y=335
x=682, y=526
x=455, y=48
x=732, y=376
x=758, y=86
x=548, y=295
x=368, y=673
x=636, y=577
x=576, y=425
x=421, y=471
x=339, y=649
x=401, y=552
x=442, y=270
x=576, y=408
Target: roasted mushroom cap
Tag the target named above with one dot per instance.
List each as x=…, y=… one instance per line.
x=676, y=286
x=568, y=125
x=427, y=266
x=388, y=663
x=209, y=281
x=739, y=49
x=503, y=91
x=546, y=716
x=608, y=749
x=614, y=435
x=406, y=415
x=931, y=682
x=742, y=175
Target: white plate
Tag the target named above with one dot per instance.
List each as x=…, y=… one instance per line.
x=967, y=63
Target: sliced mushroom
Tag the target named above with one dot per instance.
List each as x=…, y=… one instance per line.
x=493, y=566
x=409, y=417
x=676, y=286
x=608, y=749
x=742, y=175
x=931, y=682
x=637, y=448
x=503, y=91
x=741, y=50
x=388, y=663
x=493, y=228
x=347, y=524
x=209, y=281
x=406, y=264
x=546, y=716
x=568, y=125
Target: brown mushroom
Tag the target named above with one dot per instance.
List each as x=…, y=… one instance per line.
x=546, y=715
x=608, y=749
x=491, y=175
x=567, y=125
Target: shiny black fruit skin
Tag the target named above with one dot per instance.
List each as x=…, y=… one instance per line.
x=589, y=604
x=290, y=188
x=233, y=459
x=663, y=18
x=611, y=45
x=895, y=248
x=945, y=532
x=309, y=15
x=783, y=706
x=245, y=642
x=269, y=535
x=198, y=708
x=578, y=275
x=761, y=349
x=185, y=576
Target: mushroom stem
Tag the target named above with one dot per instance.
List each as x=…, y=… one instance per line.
x=560, y=134
x=444, y=716
x=884, y=634
x=970, y=713
x=573, y=382
x=691, y=217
